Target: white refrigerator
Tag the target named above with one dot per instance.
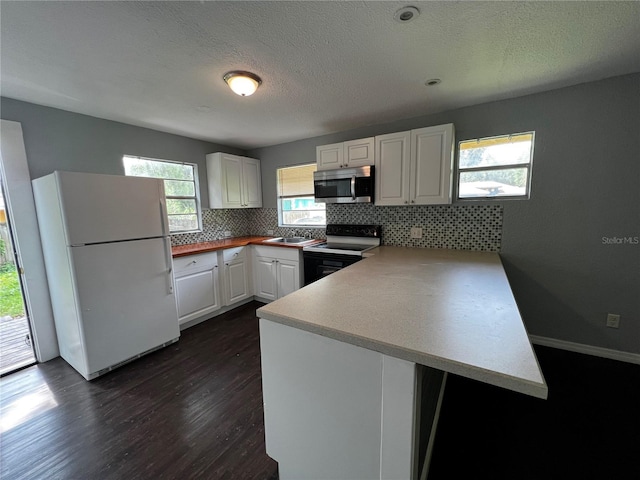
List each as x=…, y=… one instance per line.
x=107, y=254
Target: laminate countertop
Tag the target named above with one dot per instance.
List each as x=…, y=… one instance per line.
x=447, y=309
x=202, y=247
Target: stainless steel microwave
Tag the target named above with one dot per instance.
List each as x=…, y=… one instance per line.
x=346, y=185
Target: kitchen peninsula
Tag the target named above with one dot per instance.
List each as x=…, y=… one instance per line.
x=354, y=365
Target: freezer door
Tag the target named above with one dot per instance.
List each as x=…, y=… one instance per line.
x=107, y=208
x=126, y=300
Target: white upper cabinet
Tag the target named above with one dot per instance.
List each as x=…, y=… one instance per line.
x=329, y=157
x=354, y=153
x=392, y=168
x=234, y=181
x=252, y=186
x=414, y=167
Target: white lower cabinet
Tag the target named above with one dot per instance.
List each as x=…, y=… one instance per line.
x=236, y=275
x=276, y=272
x=211, y=283
x=197, y=285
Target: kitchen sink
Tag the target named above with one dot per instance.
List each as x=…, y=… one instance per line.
x=288, y=240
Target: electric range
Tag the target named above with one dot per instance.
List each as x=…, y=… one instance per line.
x=345, y=245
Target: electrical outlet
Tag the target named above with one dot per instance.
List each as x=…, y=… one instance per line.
x=613, y=320
x=269, y=232
x=227, y=233
x=416, y=232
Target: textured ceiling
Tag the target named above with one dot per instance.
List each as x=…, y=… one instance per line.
x=326, y=66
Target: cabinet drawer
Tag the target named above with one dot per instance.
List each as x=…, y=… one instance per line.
x=235, y=253
x=191, y=263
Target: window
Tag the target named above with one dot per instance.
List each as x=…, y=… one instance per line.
x=495, y=167
x=180, y=188
x=296, y=203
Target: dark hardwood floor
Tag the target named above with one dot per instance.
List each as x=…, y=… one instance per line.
x=194, y=410
x=191, y=410
x=588, y=428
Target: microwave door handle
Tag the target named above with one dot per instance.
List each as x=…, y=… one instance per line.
x=353, y=187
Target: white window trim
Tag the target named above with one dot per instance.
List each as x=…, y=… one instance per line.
x=528, y=166
x=196, y=183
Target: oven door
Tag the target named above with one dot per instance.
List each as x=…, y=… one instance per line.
x=319, y=265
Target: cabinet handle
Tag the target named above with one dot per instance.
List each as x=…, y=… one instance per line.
x=235, y=254
x=405, y=202
x=193, y=262
x=226, y=264
x=413, y=201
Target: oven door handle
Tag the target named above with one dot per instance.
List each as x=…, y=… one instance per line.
x=353, y=187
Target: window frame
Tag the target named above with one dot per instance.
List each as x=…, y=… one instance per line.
x=494, y=198
x=196, y=185
x=279, y=199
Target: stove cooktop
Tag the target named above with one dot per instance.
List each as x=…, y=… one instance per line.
x=342, y=246
x=348, y=239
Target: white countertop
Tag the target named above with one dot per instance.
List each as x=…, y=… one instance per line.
x=447, y=309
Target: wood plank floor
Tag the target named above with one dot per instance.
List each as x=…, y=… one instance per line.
x=15, y=346
x=588, y=428
x=191, y=410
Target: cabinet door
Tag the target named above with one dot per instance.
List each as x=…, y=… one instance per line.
x=237, y=281
x=252, y=183
x=231, y=181
x=288, y=273
x=431, y=152
x=265, y=278
x=330, y=156
x=359, y=153
x=197, y=294
x=392, y=161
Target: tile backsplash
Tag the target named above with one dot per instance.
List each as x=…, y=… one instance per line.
x=460, y=227
x=214, y=225
x=241, y=222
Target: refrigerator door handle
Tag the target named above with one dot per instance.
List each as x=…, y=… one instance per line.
x=163, y=216
x=168, y=258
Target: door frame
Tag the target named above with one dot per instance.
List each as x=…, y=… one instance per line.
x=26, y=236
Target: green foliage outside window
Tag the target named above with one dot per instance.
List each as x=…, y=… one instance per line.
x=179, y=186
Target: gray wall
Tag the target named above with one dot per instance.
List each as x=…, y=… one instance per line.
x=585, y=186
x=59, y=140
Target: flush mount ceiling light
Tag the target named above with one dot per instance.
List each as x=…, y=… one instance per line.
x=406, y=14
x=242, y=83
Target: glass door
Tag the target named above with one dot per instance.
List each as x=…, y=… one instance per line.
x=16, y=346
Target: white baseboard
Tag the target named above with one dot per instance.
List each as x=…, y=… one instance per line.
x=587, y=349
